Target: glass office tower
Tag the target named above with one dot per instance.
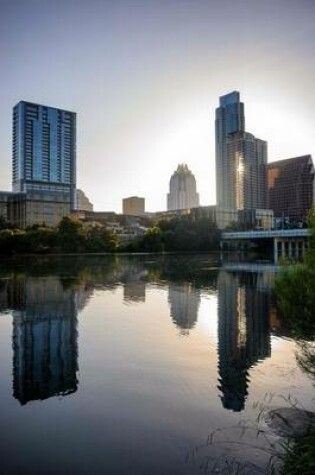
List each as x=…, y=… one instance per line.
x=44, y=150
x=229, y=119
x=241, y=159
x=247, y=166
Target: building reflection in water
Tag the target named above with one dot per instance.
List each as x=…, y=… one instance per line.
x=134, y=292
x=184, y=300
x=134, y=282
x=44, y=337
x=243, y=332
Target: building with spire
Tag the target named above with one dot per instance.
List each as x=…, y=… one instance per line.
x=183, y=193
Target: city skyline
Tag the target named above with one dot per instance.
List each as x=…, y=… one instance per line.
x=144, y=78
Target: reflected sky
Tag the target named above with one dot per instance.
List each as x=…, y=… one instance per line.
x=135, y=361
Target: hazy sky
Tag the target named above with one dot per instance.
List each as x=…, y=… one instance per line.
x=145, y=76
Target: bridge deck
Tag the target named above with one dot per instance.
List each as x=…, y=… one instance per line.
x=266, y=234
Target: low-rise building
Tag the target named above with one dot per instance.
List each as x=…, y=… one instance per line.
x=133, y=206
x=34, y=207
x=83, y=203
x=223, y=218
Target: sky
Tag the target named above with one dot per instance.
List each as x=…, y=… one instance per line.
x=145, y=76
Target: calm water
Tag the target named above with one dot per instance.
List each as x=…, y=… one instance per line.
x=140, y=365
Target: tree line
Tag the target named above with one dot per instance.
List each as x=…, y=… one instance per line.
x=182, y=234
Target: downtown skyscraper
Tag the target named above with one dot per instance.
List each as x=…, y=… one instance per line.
x=44, y=150
x=241, y=159
x=183, y=193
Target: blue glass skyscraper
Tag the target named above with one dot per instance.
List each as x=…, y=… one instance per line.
x=44, y=150
x=229, y=119
x=241, y=159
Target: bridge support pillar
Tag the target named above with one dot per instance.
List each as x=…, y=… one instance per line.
x=290, y=248
x=282, y=254
x=275, y=250
x=303, y=249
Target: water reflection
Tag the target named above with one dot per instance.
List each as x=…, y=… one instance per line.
x=184, y=301
x=134, y=282
x=45, y=301
x=243, y=332
x=45, y=349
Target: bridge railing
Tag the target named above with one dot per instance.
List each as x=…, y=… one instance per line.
x=265, y=234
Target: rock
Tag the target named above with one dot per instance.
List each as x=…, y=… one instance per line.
x=290, y=421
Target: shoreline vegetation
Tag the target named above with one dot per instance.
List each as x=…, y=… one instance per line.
x=295, y=292
x=76, y=237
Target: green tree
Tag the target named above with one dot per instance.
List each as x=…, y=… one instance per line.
x=153, y=240
x=99, y=239
x=72, y=235
x=295, y=291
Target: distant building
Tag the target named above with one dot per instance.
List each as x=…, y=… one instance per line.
x=183, y=193
x=34, y=207
x=255, y=218
x=222, y=218
x=102, y=217
x=44, y=150
x=83, y=202
x=241, y=159
x=134, y=206
x=5, y=197
x=291, y=185
x=247, y=157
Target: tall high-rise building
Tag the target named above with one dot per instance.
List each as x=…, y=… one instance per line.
x=247, y=158
x=44, y=150
x=229, y=118
x=183, y=193
x=291, y=186
x=241, y=158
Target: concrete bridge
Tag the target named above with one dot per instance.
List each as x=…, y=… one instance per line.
x=291, y=243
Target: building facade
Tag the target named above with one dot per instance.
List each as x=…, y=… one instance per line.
x=291, y=187
x=82, y=201
x=44, y=150
x=5, y=198
x=241, y=159
x=183, y=193
x=247, y=157
x=38, y=207
x=133, y=206
x=229, y=119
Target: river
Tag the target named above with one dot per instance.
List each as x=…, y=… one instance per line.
x=141, y=365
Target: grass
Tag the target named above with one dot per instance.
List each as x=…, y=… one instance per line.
x=299, y=457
